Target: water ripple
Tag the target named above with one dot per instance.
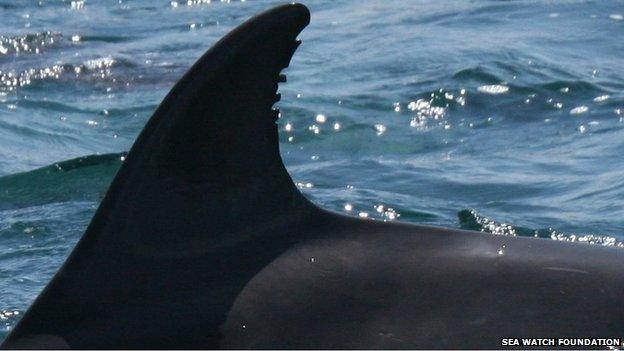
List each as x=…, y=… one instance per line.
x=99, y=68
x=29, y=43
x=471, y=220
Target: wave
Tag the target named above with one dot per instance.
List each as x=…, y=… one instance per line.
x=106, y=38
x=471, y=220
x=87, y=178
x=29, y=43
x=80, y=179
x=99, y=69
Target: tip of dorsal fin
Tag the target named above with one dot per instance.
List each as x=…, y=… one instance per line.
x=221, y=112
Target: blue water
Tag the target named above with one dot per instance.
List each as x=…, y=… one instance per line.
x=503, y=117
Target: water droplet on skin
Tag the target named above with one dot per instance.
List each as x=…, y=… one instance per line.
x=501, y=251
x=348, y=207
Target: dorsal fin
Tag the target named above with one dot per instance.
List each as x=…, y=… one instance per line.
x=212, y=144
x=174, y=236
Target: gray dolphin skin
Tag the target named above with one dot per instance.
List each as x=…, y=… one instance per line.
x=203, y=241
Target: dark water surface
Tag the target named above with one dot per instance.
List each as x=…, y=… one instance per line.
x=505, y=117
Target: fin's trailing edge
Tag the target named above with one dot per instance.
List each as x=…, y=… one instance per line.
x=201, y=191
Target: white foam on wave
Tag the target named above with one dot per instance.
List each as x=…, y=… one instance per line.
x=494, y=89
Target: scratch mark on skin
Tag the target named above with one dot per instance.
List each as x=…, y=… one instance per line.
x=571, y=270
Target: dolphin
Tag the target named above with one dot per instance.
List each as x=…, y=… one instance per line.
x=203, y=241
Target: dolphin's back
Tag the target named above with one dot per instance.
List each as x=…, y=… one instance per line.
x=391, y=285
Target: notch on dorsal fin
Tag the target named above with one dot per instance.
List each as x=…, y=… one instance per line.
x=178, y=231
x=212, y=144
